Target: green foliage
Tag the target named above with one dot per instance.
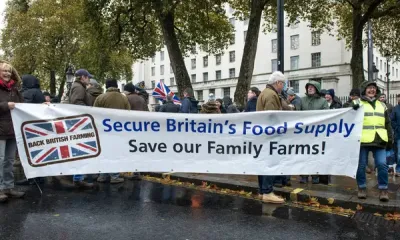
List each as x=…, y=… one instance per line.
x=47, y=35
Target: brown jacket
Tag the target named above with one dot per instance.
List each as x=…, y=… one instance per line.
x=269, y=100
x=78, y=94
x=112, y=99
x=137, y=102
x=6, y=96
x=93, y=93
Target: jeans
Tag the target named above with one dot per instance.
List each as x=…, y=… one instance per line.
x=8, y=149
x=266, y=184
x=380, y=164
x=112, y=175
x=398, y=157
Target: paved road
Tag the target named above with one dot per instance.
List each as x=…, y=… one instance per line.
x=147, y=210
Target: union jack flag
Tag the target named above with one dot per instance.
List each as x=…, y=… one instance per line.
x=162, y=91
x=60, y=140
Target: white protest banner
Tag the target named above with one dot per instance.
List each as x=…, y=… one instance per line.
x=68, y=139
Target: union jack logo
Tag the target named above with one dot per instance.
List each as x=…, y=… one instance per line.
x=60, y=140
x=161, y=91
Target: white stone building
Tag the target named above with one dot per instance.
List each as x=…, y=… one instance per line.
x=308, y=56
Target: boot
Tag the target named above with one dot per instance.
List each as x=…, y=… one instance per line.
x=3, y=197
x=384, y=196
x=14, y=194
x=362, y=193
x=83, y=184
x=272, y=198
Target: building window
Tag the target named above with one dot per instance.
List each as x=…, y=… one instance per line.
x=294, y=84
x=218, y=59
x=226, y=91
x=193, y=63
x=232, y=56
x=193, y=77
x=380, y=77
x=274, y=65
x=392, y=72
x=274, y=44
x=205, y=61
x=380, y=65
x=172, y=81
x=232, y=40
x=244, y=36
x=232, y=22
x=200, y=95
x=397, y=73
x=295, y=24
x=153, y=59
x=162, y=70
x=193, y=49
x=246, y=22
x=376, y=60
x=315, y=59
x=315, y=38
x=384, y=66
x=294, y=42
x=170, y=69
x=218, y=75
x=153, y=71
x=205, y=76
x=232, y=73
x=162, y=55
x=294, y=63
x=211, y=91
x=153, y=84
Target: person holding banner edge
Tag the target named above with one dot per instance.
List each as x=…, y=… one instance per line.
x=375, y=137
x=9, y=95
x=269, y=100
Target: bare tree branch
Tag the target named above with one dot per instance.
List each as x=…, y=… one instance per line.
x=372, y=7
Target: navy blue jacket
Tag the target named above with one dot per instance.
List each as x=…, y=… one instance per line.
x=395, y=117
x=189, y=105
x=251, y=105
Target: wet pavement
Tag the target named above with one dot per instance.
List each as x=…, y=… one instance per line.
x=148, y=210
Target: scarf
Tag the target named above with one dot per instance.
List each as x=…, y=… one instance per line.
x=7, y=85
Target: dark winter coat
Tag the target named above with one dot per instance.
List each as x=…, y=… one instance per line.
x=112, y=99
x=230, y=108
x=313, y=102
x=395, y=118
x=189, y=105
x=137, y=102
x=170, y=107
x=6, y=96
x=93, y=93
x=269, y=100
x=31, y=90
x=296, y=101
x=335, y=104
x=78, y=94
x=251, y=105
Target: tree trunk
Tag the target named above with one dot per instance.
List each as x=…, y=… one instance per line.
x=52, y=82
x=357, y=66
x=61, y=89
x=249, y=52
x=174, y=52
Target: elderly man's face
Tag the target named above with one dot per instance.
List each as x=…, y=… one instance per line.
x=311, y=90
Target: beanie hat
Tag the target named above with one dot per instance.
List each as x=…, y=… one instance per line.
x=355, y=92
x=129, y=88
x=111, y=83
x=331, y=92
x=290, y=92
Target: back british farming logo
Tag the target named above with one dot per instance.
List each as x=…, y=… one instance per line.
x=60, y=140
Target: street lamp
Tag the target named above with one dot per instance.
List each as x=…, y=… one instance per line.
x=387, y=55
x=375, y=72
x=69, y=74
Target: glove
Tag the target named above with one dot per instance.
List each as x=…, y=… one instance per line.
x=356, y=106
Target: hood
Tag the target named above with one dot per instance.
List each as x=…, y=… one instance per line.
x=364, y=86
x=29, y=82
x=227, y=101
x=95, y=91
x=317, y=86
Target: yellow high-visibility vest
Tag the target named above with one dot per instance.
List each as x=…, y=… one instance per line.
x=374, y=122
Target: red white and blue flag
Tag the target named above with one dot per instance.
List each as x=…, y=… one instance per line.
x=60, y=140
x=162, y=91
